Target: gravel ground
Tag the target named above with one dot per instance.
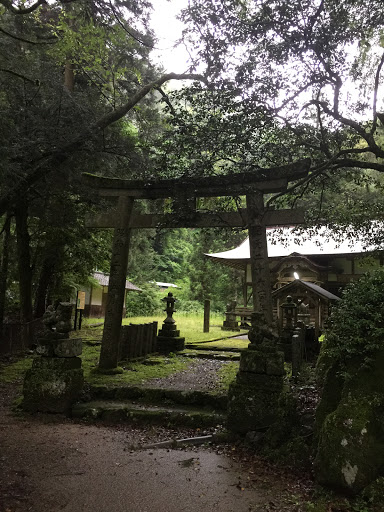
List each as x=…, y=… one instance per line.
x=201, y=375
x=49, y=463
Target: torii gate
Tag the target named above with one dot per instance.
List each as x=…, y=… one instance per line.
x=184, y=191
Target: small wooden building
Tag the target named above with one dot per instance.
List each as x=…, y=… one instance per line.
x=96, y=296
x=313, y=303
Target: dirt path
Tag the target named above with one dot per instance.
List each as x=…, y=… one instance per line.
x=49, y=463
x=201, y=375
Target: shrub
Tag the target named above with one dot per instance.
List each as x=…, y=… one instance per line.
x=357, y=322
x=146, y=303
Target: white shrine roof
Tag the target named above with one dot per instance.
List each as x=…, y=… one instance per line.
x=289, y=242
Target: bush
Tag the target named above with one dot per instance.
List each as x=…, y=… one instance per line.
x=357, y=322
x=189, y=306
x=146, y=303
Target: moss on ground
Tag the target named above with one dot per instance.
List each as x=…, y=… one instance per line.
x=15, y=371
x=227, y=374
x=133, y=372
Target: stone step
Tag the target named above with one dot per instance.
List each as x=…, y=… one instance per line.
x=167, y=397
x=124, y=411
x=218, y=356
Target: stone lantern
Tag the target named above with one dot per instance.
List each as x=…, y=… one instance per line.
x=168, y=339
x=289, y=313
x=170, y=308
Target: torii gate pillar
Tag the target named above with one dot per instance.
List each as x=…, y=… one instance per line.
x=116, y=287
x=261, y=281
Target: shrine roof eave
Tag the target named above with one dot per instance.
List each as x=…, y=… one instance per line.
x=310, y=287
x=239, y=264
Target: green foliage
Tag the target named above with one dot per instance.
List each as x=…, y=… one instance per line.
x=357, y=323
x=145, y=303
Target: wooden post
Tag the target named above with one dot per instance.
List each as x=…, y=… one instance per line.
x=116, y=287
x=207, y=310
x=261, y=281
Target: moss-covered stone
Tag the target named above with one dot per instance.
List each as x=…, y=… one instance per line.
x=56, y=363
x=252, y=408
x=51, y=390
x=330, y=396
x=58, y=347
x=351, y=446
x=350, y=422
x=253, y=398
x=118, y=412
x=158, y=395
x=374, y=494
x=166, y=345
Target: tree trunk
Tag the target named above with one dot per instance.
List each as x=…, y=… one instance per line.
x=45, y=279
x=109, y=353
x=69, y=76
x=4, y=269
x=24, y=267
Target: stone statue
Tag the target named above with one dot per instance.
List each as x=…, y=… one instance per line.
x=58, y=320
x=260, y=332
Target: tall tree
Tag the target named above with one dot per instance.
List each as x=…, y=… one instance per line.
x=286, y=79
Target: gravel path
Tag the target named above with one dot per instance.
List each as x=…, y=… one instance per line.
x=201, y=375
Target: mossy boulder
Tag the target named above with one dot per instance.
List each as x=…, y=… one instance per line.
x=351, y=447
x=350, y=453
x=333, y=384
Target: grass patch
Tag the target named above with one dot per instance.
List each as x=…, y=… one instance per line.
x=134, y=373
x=190, y=325
x=227, y=374
x=14, y=372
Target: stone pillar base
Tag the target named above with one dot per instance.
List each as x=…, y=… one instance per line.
x=253, y=397
x=52, y=384
x=166, y=344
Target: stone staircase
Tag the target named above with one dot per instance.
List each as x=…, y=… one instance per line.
x=153, y=406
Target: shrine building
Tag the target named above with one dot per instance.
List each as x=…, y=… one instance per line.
x=312, y=269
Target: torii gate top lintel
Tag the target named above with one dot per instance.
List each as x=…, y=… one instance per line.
x=274, y=179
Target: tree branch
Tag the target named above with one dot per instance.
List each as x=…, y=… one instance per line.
x=128, y=31
x=34, y=82
x=38, y=169
x=368, y=137
x=374, y=106
x=8, y=4
x=13, y=36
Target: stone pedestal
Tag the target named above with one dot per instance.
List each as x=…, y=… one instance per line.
x=230, y=323
x=253, y=397
x=55, y=380
x=169, y=339
x=285, y=344
x=52, y=384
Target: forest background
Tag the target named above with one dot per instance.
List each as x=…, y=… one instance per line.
x=267, y=84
